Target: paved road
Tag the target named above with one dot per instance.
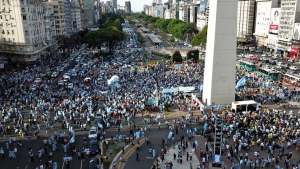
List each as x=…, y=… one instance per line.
x=155, y=137
x=22, y=160
x=186, y=164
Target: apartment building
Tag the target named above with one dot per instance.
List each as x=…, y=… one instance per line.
x=245, y=19
x=76, y=16
x=23, y=34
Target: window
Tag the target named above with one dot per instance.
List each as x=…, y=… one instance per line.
x=24, y=17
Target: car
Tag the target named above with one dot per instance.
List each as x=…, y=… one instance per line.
x=54, y=74
x=61, y=82
x=93, y=133
x=70, y=85
x=66, y=76
x=37, y=80
x=293, y=68
x=33, y=87
x=94, y=164
x=93, y=148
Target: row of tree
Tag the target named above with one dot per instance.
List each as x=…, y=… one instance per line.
x=109, y=33
x=192, y=55
x=177, y=28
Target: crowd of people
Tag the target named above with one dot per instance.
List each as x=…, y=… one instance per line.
x=265, y=91
x=72, y=91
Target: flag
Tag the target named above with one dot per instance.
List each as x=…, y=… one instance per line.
x=241, y=82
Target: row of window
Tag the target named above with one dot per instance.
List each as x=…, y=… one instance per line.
x=8, y=39
x=8, y=32
x=6, y=17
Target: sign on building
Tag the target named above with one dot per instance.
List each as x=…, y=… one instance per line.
x=274, y=25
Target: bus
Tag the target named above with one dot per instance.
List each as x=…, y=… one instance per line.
x=248, y=66
x=290, y=79
x=247, y=105
x=268, y=74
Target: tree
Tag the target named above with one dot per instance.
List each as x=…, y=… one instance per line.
x=200, y=38
x=193, y=55
x=109, y=33
x=177, y=57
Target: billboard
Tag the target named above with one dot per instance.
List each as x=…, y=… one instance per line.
x=263, y=14
x=274, y=24
x=296, y=35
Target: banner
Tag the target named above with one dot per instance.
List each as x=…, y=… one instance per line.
x=274, y=25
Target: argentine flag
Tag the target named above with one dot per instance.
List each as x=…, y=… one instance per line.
x=241, y=82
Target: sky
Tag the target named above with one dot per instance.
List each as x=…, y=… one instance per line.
x=137, y=5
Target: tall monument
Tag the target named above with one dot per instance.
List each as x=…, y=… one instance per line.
x=219, y=73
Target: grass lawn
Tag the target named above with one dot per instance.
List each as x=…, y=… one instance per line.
x=110, y=151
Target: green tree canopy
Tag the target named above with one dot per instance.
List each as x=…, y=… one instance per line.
x=109, y=33
x=177, y=28
x=177, y=57
x=200, y=38
x=193, y=55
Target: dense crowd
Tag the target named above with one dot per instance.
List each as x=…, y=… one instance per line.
x=265, y=91
x=71, y=92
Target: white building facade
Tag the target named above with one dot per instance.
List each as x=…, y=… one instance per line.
x=23, y=34
x=245, y=19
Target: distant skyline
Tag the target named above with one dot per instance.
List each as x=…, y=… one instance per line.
x=137, y=5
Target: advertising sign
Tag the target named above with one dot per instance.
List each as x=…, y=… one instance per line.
x=263, y=16
x=296, y=35
x=274, y=25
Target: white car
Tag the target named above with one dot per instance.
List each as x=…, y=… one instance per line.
x=293, y=67
x=54, y=74
x=70, y=85
x=93, y=133
x=61, y=82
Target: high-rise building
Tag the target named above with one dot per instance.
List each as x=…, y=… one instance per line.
x=62, y=16
x=114, y=4
x=49, y=21
x=148, y=10
x=194, y=12
x=22, y=30
x=245, y=19
x=202, y=16
x=88, y=14
x=76, y=16
x=127, y=7
x=184, y=11
x=68, y=17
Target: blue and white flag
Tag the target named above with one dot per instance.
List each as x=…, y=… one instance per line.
x=241, y=82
